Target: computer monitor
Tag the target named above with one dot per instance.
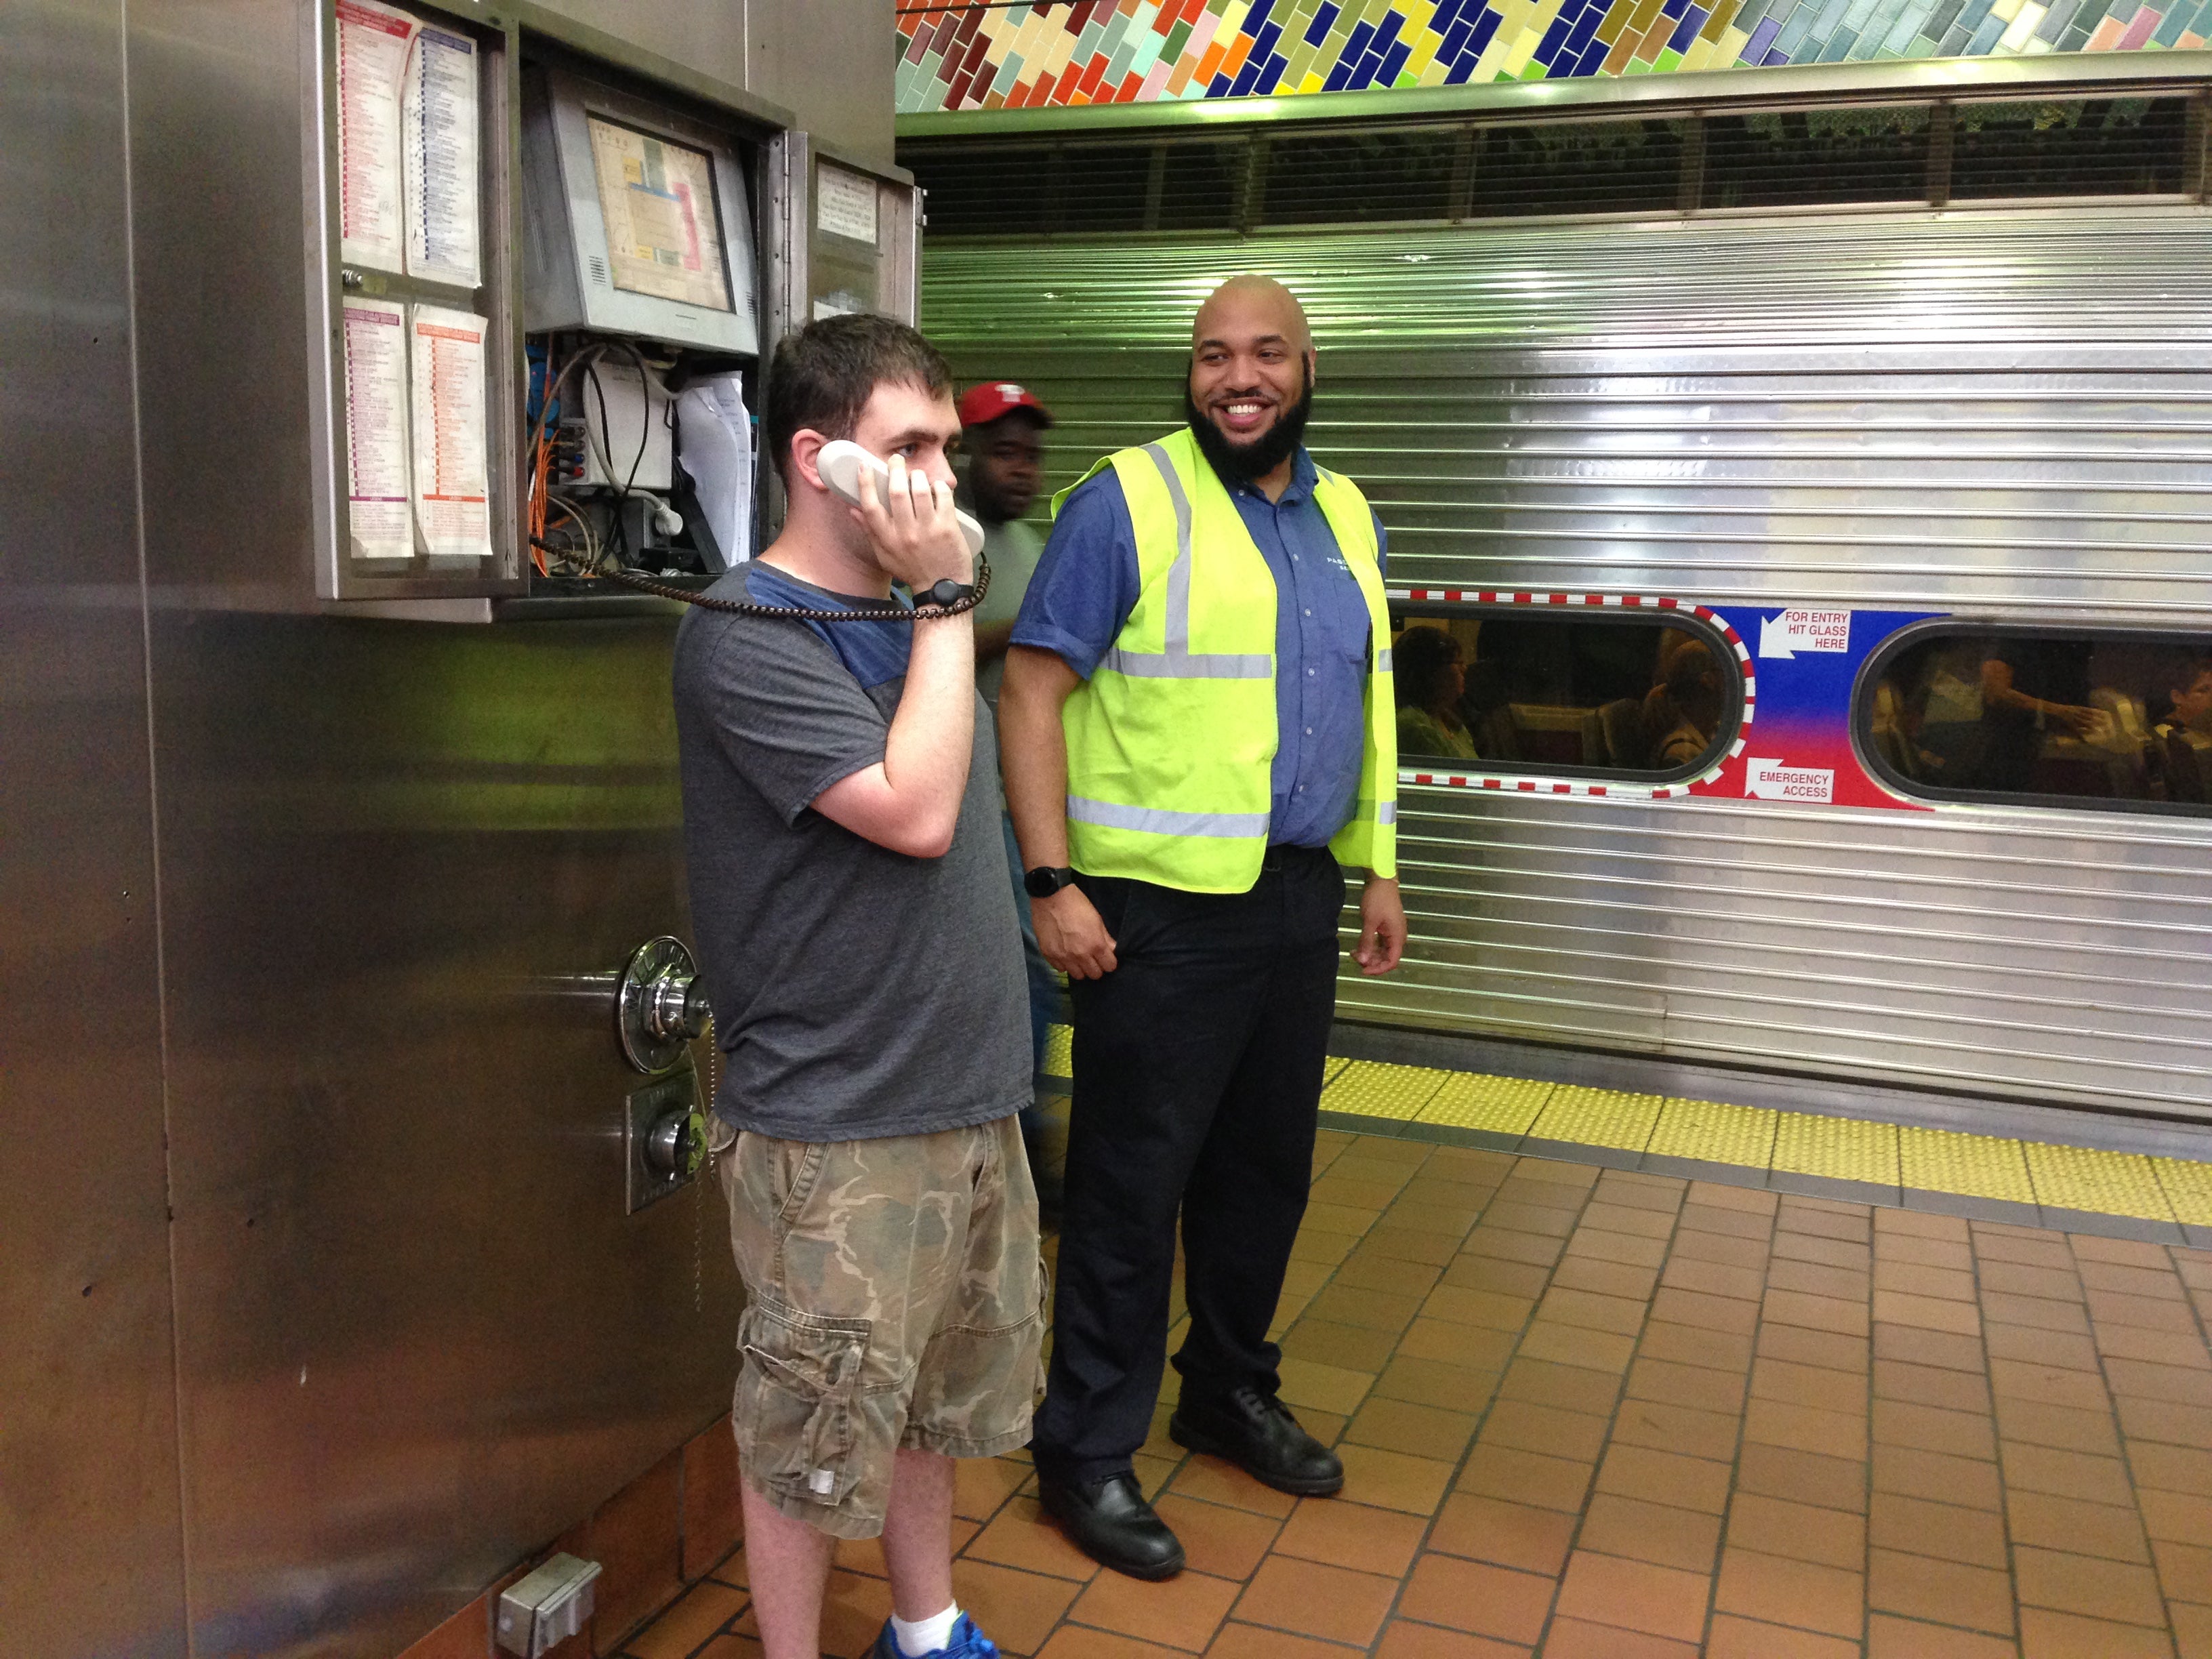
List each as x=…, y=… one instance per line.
x=637, y=220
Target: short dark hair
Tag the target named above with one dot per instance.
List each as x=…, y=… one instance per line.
x=1417, y=662
x=822, y=377
x=2182, y=677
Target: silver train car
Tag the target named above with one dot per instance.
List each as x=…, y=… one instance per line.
x=1886, y=410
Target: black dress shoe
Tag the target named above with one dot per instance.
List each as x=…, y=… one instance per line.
x=1111, y=1521
x=1256, y=1432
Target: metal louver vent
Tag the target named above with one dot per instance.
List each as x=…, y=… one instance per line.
x=1273, y=175
x=1116, y=187
x=1579, y=166
x=2070, y=147
x=1202, y=186
x=1353, y=178
x=995, y=190
x=1775, y=158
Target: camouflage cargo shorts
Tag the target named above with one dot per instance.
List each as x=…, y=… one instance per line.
x=895, y=1298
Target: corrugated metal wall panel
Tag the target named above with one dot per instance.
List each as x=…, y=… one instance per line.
x=2006, y=414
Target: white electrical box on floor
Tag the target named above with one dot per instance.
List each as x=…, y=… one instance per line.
x=547, y=1606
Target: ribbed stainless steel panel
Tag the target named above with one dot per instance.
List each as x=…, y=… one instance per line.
x=2003, y=413
x=417, y=1335
x=90, y=1541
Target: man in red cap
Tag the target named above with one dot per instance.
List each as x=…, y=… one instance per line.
x=1002, y=428
x=1002, y=433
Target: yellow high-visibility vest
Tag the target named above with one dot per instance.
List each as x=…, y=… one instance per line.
x=1171, y=741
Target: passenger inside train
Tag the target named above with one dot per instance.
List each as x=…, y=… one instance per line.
x=2116, y=717
x=1685, y=708
x=2183, y=733
x=1431, y=682
x=1551, y=692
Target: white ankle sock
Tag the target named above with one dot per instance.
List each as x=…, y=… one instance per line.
x=925, y=1636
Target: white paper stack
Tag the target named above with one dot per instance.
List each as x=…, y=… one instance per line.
x=714, y=442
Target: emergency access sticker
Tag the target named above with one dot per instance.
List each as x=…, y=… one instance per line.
x=1771, y=780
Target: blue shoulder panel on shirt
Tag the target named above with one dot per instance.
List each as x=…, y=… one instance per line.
x=1086, y=582
x=873, y=652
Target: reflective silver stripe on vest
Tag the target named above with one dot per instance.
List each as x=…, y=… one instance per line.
x=1159, y=820
x=1388, y=813
x=1382, y=660
x=1178, y=661
x=1152, y=665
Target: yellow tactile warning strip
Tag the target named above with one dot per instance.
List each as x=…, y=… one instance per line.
x=1367, y=1088
x=1492, y=1105
x=1598, y=1117
x=1835, y=1148
x=1992, y=1176
x=1975, y=1166
x=1707, y=1132
x=1058, y=1051
x=2107, y=1183
x=2187, y=1188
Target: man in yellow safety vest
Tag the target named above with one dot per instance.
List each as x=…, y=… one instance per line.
x=1197, y=733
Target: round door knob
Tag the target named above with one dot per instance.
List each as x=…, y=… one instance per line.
x=659, y=1005
x=677, y=1144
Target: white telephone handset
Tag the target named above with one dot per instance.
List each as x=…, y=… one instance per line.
x=840, y=463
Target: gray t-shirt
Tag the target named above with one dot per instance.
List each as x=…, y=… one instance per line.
x=857, y=991
x=1013, y=550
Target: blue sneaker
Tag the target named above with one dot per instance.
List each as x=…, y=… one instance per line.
x=967, y=1643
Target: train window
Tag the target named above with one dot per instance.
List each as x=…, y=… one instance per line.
x=1528, y=688
x=2092, y=719
x=2070, y=147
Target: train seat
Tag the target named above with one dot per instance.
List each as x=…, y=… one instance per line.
x=2068, y=767
x=1552, y=734
x=2186, y=766
x=1620, y=732
x=2126, y=712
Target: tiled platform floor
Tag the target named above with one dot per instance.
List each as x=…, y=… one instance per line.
x=1600, y=1414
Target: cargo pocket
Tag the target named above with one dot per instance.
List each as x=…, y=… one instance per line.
x=796, y=1406
x=977, y=1384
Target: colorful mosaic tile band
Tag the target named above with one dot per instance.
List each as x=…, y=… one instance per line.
x=997, y=56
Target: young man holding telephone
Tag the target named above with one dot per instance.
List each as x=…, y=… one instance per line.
x=858, y=936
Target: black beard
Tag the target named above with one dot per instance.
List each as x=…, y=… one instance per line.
x=1242, y=463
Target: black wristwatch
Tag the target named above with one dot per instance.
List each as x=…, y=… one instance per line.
x=945, y=593
x=1044, y=881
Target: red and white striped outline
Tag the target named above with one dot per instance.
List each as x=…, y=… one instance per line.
x=1526, y=785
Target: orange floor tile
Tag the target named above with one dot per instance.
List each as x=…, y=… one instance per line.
x=1598, y=1415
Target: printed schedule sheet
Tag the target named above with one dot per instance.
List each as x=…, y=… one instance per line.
x=410, y=190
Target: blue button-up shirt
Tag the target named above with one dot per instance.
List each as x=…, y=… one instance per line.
x=1088, y=582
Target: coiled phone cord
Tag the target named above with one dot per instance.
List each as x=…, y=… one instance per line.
x=806, y=613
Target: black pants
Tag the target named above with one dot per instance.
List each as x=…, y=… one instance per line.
x=1198, y=1073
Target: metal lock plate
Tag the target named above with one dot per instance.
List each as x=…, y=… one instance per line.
x=663, y=1139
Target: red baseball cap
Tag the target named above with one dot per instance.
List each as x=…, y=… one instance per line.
x=994, y=400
